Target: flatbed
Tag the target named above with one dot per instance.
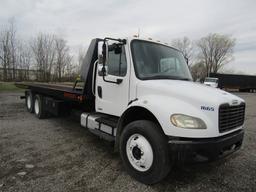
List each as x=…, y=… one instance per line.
x=81, y=98
x=57, y=90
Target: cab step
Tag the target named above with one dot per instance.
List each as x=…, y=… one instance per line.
x=102, y=125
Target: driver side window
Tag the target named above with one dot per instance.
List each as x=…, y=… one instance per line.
x=117, y=64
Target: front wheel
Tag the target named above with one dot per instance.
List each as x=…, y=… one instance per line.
x=144, y=151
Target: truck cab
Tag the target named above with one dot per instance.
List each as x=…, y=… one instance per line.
x=147, y=85
x=139, y=94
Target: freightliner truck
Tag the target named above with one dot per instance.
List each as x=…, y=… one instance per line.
x=139, y=94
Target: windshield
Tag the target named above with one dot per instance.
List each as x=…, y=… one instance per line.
x=156, y=61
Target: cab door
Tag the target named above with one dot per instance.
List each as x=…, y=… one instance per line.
x=112, y=98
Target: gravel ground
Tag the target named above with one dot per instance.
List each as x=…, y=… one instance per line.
x=56, y=154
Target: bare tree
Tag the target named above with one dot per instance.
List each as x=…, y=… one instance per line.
x=81, y=57
x=24, y=55
x=185, y=46
x=4, y=52
x=198, y=71
x=14, y=56
x=49, y=53
x=63, y=58
x=13, y=47
x=215, y=50
x=70, y=70
x=44, y=53
x=8, y=51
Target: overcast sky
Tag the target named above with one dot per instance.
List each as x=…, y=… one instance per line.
x=78, y=21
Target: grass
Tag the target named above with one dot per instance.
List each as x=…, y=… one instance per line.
x=8, y=87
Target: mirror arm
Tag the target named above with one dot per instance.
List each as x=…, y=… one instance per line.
x=118, y=81
x=123, y=41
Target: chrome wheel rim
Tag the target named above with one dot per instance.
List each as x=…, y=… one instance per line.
x=139, y=152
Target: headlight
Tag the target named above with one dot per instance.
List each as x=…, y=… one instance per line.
x=187, y=122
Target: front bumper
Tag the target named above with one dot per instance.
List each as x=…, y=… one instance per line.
x=187, y=149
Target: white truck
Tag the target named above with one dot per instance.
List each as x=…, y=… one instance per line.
x=211, y=81
x=139, y=93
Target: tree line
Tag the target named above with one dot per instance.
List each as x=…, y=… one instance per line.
x=47, y=56
x=207, y=55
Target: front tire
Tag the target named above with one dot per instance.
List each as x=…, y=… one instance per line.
x=144, y=151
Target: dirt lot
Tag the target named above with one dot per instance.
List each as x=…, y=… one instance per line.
x=56, y=154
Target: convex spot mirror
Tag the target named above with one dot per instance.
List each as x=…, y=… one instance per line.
x=117, y=48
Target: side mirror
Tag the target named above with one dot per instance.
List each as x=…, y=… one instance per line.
x=103, y=49
x=102, y=52
x=102, y=58
x=102, y=71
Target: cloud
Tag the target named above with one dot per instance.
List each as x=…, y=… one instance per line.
x=79, y=21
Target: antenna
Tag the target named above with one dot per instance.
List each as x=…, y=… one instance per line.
x=138, y=32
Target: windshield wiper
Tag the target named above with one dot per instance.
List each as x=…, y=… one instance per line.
x=166, y=77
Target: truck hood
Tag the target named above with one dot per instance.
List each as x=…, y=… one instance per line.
x=187, y=91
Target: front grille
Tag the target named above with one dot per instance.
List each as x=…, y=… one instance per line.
x=231, y=117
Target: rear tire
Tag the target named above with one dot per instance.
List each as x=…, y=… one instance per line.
x=39, y=107
x=29, y=102
x=144, y=151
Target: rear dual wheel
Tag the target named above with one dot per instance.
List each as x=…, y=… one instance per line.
x=29, y=102
x=34, y=104
x=39, y=107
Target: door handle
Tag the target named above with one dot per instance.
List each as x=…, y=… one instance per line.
x=99, y=88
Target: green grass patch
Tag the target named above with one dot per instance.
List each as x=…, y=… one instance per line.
x=8, y=87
